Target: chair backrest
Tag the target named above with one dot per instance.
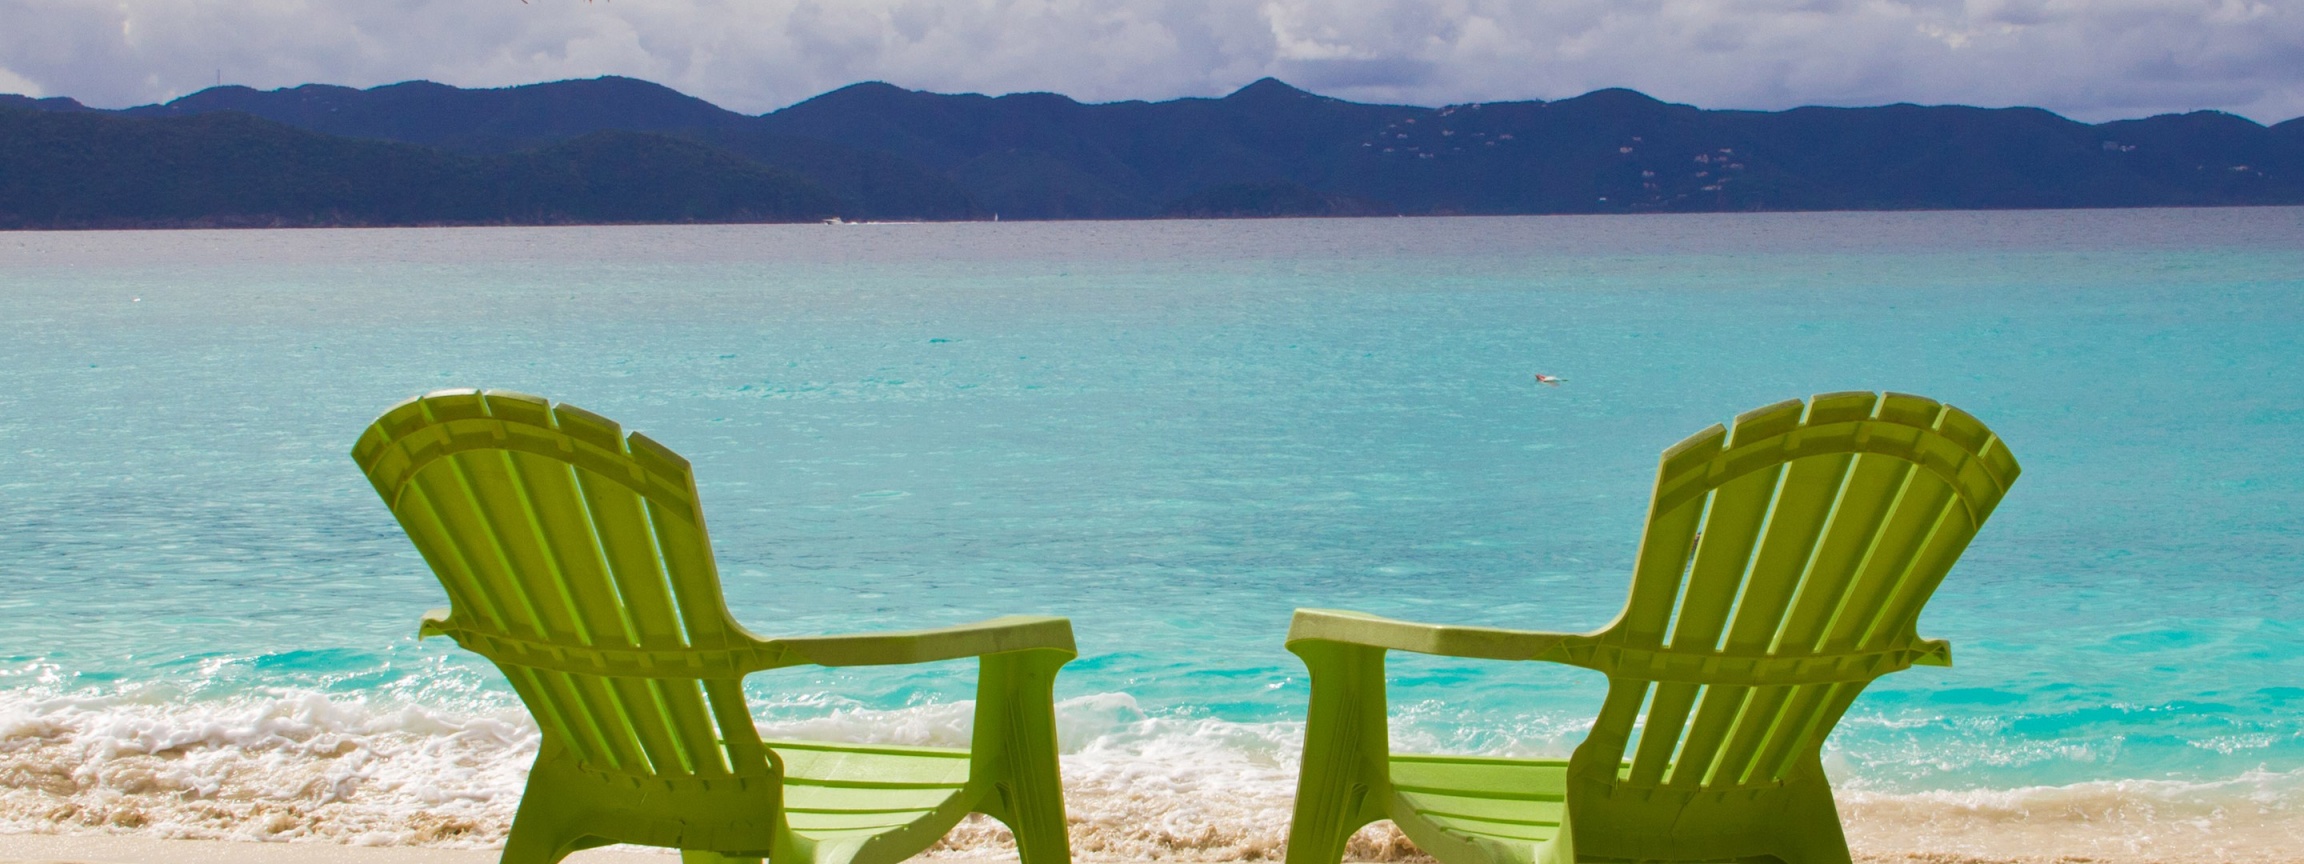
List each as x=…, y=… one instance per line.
x=575, y=558
x=1783, y=567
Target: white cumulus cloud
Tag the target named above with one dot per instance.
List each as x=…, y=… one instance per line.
x=2091, y=59
x=11, y=82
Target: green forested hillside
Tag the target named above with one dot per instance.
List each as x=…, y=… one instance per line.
x=89, y=170
x=622, y=150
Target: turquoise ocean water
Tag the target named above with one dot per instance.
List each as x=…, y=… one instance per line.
x=1173, y=433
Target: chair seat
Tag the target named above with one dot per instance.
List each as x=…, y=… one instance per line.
x=849, y=791
x=1506, y=800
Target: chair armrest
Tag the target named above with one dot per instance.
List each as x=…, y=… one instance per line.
x=1356, y=628
x=995, y=636
x=434, y=623
x=1939, y=653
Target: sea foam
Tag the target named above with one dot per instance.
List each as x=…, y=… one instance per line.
x=306, y=766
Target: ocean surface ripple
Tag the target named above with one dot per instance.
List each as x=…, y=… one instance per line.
x=1173, y=433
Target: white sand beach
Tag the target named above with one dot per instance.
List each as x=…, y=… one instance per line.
x=119, y=849
x=130, y=849
x=1891, y=831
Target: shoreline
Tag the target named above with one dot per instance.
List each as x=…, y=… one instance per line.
x=137, y=849
x=263, y=224
x=304, y=778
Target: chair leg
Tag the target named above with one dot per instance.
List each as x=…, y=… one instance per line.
x=542, y=832
x=551, y=819
x=1031, y=790
x=1037, y=820
x=1344, y=772
x=1813, y=834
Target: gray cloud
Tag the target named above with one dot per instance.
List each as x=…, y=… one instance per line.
x=2091, y=59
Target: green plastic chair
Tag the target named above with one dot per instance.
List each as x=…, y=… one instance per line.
x=575, y=558
x=1783, y=568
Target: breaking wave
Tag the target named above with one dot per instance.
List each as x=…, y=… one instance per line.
x=306, y=766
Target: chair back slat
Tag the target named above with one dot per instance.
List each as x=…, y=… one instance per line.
x=553, y=530
x=563, y=533
x=1885, y=568
x=628, y=549
x=687, y=716
x=507, y=526
x=694, y=579
x=1612, y=729
x=1730, y=534
x=1899, y=611
x=1756, y=718
x=746, y=756
x=1662, y=723
x=1800, y=730
x=432, y=536
x=1796, y=527
x=1804, y=491
x=672, y=747
x=553, y=699
x=463, y=533
x=1804, y=536
x=1874, y=486
x=1664, y=553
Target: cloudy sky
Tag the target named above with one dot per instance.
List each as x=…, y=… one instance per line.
x=2090, y=59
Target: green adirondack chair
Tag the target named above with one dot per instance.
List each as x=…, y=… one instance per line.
x=1783, y=568
x=575, y=558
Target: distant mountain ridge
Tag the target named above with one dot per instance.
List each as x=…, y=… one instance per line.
x=877, y=151
x=83, y=169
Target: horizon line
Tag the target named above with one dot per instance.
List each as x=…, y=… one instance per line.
x=1234, y=93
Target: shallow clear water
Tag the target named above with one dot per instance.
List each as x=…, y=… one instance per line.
x=1173, y=433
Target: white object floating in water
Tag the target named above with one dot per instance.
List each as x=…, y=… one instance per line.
x=1549, y=380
